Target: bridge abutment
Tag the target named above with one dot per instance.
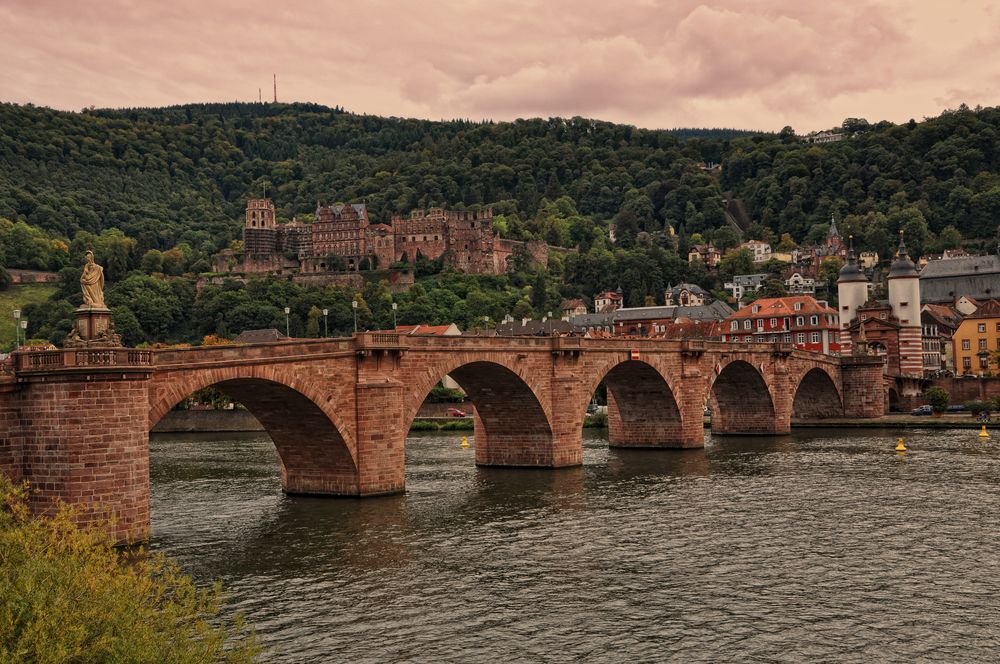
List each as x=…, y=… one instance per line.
x=380, y=438
x=863, y=388
x=85, y=443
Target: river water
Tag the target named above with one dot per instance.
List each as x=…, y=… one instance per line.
x=819, y=546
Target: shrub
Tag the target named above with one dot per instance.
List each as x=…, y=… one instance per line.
x=596, y=421
x=440, y=394
x=976, y=406
x=938, y=398
x=70, y=596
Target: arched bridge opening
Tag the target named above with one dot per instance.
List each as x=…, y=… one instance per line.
x=741, y=401
x=314, y=456
x=511, y=427
x=817, y=397
x=642, y=410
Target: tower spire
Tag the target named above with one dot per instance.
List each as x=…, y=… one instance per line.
x=275, y=88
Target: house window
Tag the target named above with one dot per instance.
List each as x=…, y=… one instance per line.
x=998, y=327
x=966, y=363
x=815, y=337
x=760, y=323
x=774, y=323
x=984, y=363
x=800, y=338
x=864, y=316
x=755, y=309
x=786, y=338
x=788, y=323
x=966, y=344
x=747, y=324
x=814, y=320
x=735, y=325
x=748, y=338
x=982, y=344
x=799, y=321
x=981, y=327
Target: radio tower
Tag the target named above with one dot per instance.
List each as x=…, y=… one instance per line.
x=275, y=88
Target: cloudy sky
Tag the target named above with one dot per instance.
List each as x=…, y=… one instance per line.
x=759, y=64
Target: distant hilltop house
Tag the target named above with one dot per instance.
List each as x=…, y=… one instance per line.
x=574, y=307
x=828, y=136
x=705, y=253
x=744, y=283
x=341, y=237
x=608, y=301
x=761, y=250
x=684, y=295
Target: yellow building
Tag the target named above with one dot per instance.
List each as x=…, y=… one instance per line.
x=977, y=341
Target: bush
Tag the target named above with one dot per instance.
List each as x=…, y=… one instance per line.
x=446, y=395
x=976, y=406
x=595, y=421
x=938, y=398
x=70, y=596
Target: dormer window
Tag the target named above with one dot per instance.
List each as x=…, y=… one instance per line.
x=798, y=306
x=756, y=308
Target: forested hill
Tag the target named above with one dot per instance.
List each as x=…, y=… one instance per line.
x=182, y=174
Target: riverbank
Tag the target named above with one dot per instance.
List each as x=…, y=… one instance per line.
x=232, y=421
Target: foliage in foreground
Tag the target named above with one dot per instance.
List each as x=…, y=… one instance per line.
x=68, y=595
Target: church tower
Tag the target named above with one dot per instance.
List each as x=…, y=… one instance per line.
x=852, y=292
x=904, y=299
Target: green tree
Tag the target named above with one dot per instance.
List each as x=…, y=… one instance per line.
x=737, y=262
x=938, y=398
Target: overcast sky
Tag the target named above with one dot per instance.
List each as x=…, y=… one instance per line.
x=759, y=64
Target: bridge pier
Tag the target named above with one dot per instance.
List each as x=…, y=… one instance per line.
x=84, y=442
x=863, y=389
x=380, y=438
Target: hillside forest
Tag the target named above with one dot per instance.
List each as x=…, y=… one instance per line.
x=155, y=192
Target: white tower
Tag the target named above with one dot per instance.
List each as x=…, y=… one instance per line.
x=852, y=292
x=904, y=299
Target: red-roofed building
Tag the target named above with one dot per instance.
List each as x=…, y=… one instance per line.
x=450, y=330
x=804, y=321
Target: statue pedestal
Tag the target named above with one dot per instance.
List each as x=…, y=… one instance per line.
x=92, y=327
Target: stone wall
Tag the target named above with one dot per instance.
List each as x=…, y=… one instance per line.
x=183, y=421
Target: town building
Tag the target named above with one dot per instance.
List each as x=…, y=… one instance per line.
x=574, y=307
x=760, y=250
x=977, y=277
x=798, y=284
x=820, y=137
x=938, y=324
x=657, y=321
x=705, y=253
x=868, y=259
x=976, y=342
x=744, y=283
x=608, y=301
x=804, y=321
x=343, y=237
x=685, y=295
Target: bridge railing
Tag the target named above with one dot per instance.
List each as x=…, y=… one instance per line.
x=44, y=360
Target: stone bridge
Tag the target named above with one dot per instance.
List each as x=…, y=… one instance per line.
x=75, y=423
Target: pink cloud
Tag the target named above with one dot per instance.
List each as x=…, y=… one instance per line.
x=752, y=63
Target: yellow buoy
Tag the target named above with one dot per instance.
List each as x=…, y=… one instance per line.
x=465, y=442
x=983, y=434
x=900, y=447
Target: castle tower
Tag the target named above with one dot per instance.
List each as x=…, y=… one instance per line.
x=904, y=299
x=259, y=228
x=852, y=292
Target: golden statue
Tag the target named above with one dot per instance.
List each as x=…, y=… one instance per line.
x=92, y=284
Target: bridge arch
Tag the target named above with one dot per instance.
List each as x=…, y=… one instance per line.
x=315, y=455
x=512, y=422
x=816, y=396
x=741, y=400
x=642, y=407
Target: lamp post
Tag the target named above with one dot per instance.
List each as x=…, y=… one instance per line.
x=288, y=310
x=326, y=327
x=24, y=328
x=354, y=306
x=550, y=323
x=394, y=307
x=17, y=328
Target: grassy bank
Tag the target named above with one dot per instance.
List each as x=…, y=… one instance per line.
x=15, y=297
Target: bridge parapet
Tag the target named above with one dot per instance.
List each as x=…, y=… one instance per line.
x=88, y=358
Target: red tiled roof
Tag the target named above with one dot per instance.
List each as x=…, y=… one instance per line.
x=422, y=329
x=782, y=306
x=988, y=309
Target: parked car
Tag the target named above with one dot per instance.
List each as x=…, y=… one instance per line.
x=957, y=408
x=922, y=410
x=455, y=412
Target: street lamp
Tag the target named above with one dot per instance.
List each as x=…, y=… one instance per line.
x=394, y=307
x=24, y=328
x=354, y=305
x=550, y=323
x=17, y=331
x=326, y=328
x=287, y=311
